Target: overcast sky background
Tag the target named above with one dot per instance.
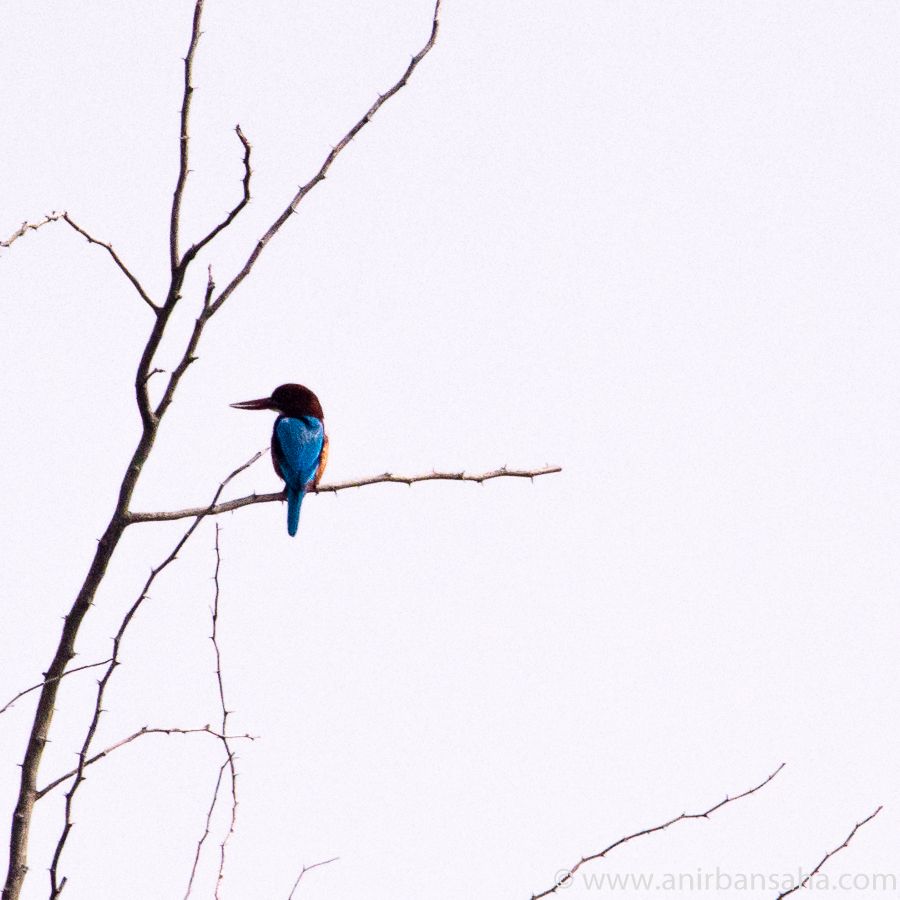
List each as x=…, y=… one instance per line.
x=654, y=243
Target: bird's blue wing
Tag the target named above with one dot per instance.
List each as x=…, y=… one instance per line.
x=299, y=446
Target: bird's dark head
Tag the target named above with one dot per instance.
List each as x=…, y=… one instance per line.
x=289, y=399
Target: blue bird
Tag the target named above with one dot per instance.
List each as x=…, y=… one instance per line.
x=299, y=442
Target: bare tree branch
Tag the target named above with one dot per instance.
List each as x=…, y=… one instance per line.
x=188, y=357
x=118, y=262
x=229, y=754
x=31, y=226
x=56, y=885
x=150, y=419
x=175, y=262
x=827, y=856
x=320, y=175
x=306, y=869
x=564, y=881
x=179, y=266
x=387, y=477
x=229, y=761
x=35, y=687
x=206, y=830
x=56, y=216
x=133, y=737
x=65, y=651
x=196, y=248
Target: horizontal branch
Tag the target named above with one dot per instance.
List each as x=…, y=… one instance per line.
x=145, y=730
x=31, y=226
x=828, y=856
x=387, y=477
x=564, y=881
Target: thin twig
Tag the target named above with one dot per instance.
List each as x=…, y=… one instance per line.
x=387, y=477
x=229, y=754
x=137, y=285
x=31, y=226
x=306, y=869
x=145, y=730
x=188, y=357
x=55, y=217
x=196, y=248
x=206, y=830
x=225, y=713
x=184, y=139
x=320, y=175
x=36, y=687
x=564, y=881
x=206, y=313
x=56, y=886
x=827, y=856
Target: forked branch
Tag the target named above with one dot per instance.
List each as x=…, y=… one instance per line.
x=37, y=687
x=196, y=248
x=229, y=753
x=133, y=737
x=57, y=884
x=305, y=869
x=150, y=418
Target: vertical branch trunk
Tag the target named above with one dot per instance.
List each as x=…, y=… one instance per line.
x=21, y=824
x=121, y=519
x=18, y=850
x=184, y=138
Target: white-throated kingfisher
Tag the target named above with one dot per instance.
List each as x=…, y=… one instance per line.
x=299, y=442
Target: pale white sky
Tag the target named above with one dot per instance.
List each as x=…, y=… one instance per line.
x=651, y=242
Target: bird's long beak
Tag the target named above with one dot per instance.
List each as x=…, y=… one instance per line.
x=265, y=403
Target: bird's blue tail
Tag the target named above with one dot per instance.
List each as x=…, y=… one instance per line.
x=294, y=499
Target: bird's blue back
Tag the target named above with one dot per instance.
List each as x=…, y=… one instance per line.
x=297, y=449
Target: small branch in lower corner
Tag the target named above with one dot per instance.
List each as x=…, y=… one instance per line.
x=565, y=876
x=828, y=855
x=306, y=869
